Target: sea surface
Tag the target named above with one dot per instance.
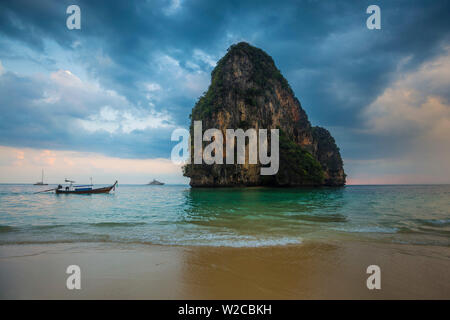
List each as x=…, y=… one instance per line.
x=179, y=215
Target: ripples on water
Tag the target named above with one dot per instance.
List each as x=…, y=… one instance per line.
x=230, y=217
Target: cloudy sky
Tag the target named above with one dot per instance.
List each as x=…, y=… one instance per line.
x=102, y=101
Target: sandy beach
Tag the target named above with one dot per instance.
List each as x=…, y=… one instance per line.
x=314, y=270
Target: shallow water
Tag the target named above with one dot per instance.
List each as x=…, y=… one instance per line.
x=179, y=215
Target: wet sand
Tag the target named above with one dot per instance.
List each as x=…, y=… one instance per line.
x=318, y=270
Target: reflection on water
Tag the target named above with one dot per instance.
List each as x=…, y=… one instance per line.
x=281, y=214
x=231, y=217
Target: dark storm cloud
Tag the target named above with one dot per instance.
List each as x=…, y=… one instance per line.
x=336, y=66
x=33, y=120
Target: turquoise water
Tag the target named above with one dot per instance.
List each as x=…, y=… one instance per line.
x=179, y=215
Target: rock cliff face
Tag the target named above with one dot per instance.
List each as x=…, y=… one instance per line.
x=248, y=91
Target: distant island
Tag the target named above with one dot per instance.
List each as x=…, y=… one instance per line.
x=155, y=183
x=248, y=91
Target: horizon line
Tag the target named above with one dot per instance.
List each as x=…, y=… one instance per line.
x=364, y=184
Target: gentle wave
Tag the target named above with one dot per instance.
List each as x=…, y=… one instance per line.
x=4, y=229
x=220, y=243
x=435, y=222
x=116, y=224
x=374, y=229
x=245, y=243
x=322, y=218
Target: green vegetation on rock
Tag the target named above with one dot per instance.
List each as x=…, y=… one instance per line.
x=297, y=166
x=264, y=75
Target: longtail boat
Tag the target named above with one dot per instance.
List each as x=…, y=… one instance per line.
x=85, y=189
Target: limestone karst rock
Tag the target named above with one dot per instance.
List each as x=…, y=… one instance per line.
x=248, y=91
